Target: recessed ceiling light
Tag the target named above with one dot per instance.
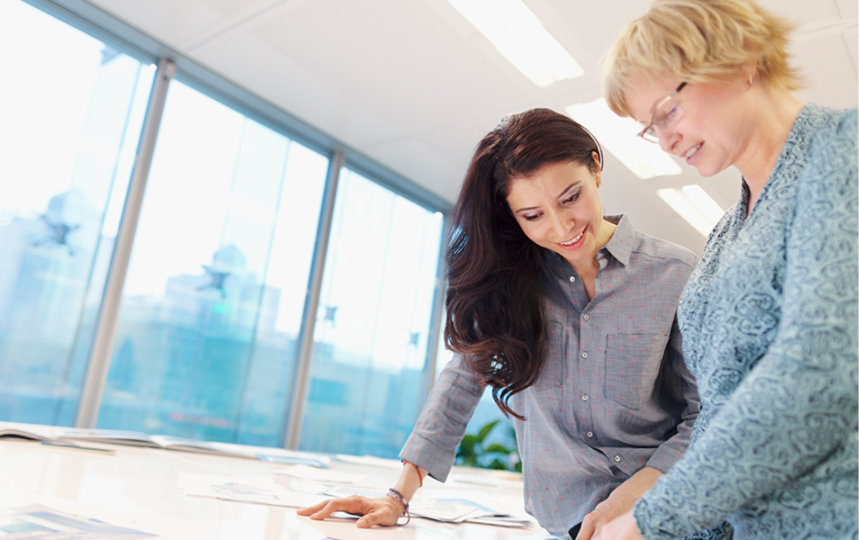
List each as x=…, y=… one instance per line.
x=618, y=136
x=521, y=38
x=704, y=202
x=694, y=205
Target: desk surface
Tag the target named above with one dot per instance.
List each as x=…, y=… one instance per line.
x=139, y=488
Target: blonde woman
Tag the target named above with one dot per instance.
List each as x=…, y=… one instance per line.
x=769, y=316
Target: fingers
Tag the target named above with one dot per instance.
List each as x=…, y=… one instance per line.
x=311, y=509
x=589, y=525
x=383, y=516
x=384, y=511
x=351, y=505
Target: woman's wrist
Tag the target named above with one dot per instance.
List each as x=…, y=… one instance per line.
x=411, y=478
x=394, y=494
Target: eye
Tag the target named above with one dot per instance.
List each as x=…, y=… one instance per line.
x=572, y=198
x=531, y=217
x=667, y=115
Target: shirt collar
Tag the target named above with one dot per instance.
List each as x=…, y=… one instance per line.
x=619, y=246
x=621, y=243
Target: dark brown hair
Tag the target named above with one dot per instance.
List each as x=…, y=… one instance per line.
x=494, y=312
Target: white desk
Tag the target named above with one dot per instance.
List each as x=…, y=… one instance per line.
x=137, y=487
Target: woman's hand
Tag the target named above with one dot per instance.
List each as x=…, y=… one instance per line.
x=381, y=511
x=622, y=528
x=618, y=503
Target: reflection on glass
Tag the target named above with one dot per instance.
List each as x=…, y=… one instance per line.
x=207, y=332
x=370, y=342
x=71, y=116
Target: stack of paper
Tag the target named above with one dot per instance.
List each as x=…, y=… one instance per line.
x=46, y=523
x=446, y=509
x=452, y=510
x=245, y=489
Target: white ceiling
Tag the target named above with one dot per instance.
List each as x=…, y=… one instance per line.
x=414, y=86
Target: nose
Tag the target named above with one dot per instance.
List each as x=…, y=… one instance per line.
x=560, y=225
x=668, y=139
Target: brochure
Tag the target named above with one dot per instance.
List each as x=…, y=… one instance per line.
x=60, y=434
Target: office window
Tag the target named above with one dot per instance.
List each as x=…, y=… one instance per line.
x=370, y=341
x=71, y=109
x=207, y=333
x=215, y=297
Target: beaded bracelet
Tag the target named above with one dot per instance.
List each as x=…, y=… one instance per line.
x=397, y=496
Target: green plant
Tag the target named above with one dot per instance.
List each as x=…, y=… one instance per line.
x=476, y=451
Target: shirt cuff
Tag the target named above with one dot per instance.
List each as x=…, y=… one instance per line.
x=423, y=453
x=668, y=453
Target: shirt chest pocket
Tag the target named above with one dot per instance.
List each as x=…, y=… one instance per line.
x=632, y=363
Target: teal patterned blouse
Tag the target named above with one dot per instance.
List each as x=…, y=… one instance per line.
x=769, y=325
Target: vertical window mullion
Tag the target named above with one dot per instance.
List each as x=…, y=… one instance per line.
x=102, y=348
x=301, y=380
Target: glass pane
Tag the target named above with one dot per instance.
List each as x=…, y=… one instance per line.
x=72, y=109
x=370, y=342
x=211, y=310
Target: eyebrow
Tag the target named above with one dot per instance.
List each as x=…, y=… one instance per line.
x=563, y=193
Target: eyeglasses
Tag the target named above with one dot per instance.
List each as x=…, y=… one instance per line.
x=667, y=112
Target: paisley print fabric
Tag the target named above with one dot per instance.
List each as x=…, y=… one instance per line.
x=769, y=325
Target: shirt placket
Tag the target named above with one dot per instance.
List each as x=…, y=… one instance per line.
x=576, y=391
x=590, y=369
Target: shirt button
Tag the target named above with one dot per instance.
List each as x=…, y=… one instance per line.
x=617, y=459
x=586, y=317
x=584, y=355
x=584, y=397
x=590, y=434
x=572, y=279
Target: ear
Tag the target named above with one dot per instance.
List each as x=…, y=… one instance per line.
x=598, y=173
x=596, y=158
x=749, y=72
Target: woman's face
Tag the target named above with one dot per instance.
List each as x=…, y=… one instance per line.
x=559, y=208
x=713, y=131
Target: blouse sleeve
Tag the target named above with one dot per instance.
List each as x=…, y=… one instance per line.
x=444, y=418
x=798, y=405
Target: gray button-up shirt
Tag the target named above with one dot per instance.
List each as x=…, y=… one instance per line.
x=613, y=396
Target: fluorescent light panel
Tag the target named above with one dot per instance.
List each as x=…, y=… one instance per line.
x=693, y=204
x=520, y=37
x=704, y=203
x=618, y=136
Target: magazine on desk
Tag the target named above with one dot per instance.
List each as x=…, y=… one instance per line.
x=55, y=434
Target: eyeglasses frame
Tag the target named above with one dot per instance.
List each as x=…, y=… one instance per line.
x=649, y=127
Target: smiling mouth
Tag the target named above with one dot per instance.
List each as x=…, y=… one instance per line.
x=572, y=241
x=692, y=151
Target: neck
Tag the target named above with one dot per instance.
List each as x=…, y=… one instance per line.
x=606, y=232
x=770, y=125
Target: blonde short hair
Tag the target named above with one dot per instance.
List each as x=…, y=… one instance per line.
x=699, y=41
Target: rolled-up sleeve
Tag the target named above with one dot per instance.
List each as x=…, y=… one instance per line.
x=443, y=420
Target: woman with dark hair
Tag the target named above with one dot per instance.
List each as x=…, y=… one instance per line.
x=569, y=316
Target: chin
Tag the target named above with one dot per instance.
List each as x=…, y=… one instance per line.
x=707, y=172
